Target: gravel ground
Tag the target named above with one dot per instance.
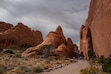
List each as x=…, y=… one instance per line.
x=73, y=68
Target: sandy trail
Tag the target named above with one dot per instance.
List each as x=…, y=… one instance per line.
x=70, y=69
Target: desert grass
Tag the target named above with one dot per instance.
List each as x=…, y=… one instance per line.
x=12, y=63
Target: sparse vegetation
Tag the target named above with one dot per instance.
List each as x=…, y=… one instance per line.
x=101, y=59
x=15, y=64
x=91, y=70
x=46, y=51
x=9, y=51
x=17, y=56
x=107, y=65
x=38, y=69
x=47, y=66
x=22, y=70
x=48, y=60
x=91, y=54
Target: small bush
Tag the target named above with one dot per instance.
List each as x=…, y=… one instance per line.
x=22, y=70
x=46, y=50
x=107, y=65
x=47, y=66
x=48, y=60
x=9, y=51
x=91, y=70
x=38, y=69
x=17, y=56
x=59, y=62
x=101, y=59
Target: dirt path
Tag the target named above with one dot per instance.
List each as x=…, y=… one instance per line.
x=70, y=69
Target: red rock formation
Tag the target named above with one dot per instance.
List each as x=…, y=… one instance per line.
x=5, y=26
x=20, y=36
x=65, y=49
x=70, y=46
x=76, y=48
x=53, y=38
x=56, y=39
x=99, y=22
x=62, y=50
x=85, y=40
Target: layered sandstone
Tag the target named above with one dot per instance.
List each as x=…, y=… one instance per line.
x=56, y=39
x=99, y=22
x=20, y=36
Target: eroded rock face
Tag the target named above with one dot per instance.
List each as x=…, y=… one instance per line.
x=20, y=36
x=99, y=22
x=85, y=40
x=62, y=50
x=5, y=26
x=65, y=49
x=56, y=39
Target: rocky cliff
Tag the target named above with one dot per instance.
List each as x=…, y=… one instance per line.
x=18, y=36
x=99, y=22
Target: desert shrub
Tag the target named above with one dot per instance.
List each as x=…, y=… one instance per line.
x=59, y=62
x=91, y=53
x=107, y=65
x=25, y=45
x=91, y=70
x=47, y=66
x=22, y=70
x=46, y=50
x=9, y=51
x=38, y=69
x=101, y=59
x=17, y=56
x=48, y=60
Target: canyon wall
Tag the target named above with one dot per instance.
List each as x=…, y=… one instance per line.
x=99, y=22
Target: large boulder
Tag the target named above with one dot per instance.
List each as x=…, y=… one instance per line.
x=20, y=36
x=99, y=22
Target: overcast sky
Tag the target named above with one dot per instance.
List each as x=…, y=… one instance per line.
x=46, y=15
